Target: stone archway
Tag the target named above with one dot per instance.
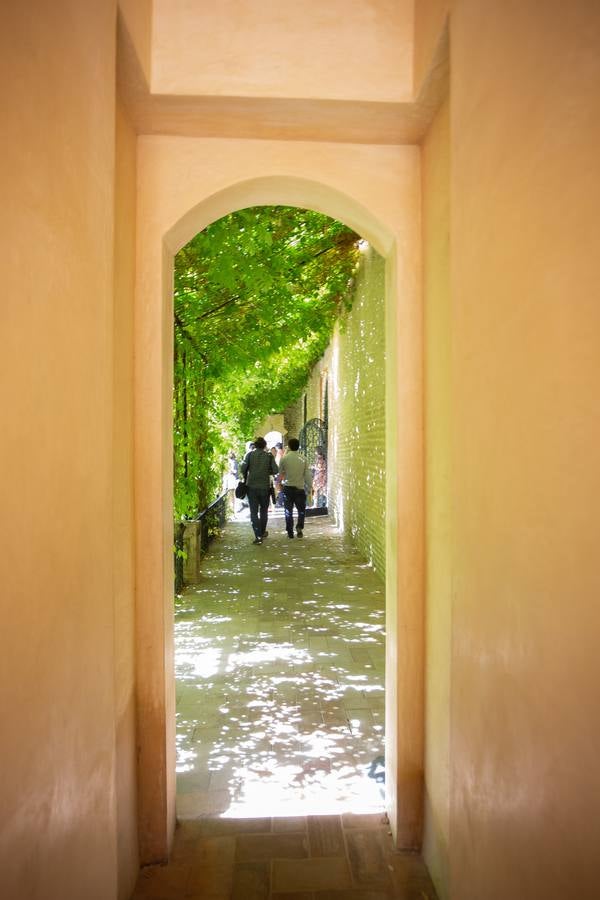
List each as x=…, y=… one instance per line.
x=158, y=243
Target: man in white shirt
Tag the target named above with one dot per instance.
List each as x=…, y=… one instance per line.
x=296, y=476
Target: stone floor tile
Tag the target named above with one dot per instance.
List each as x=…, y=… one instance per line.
x=251, y=881
x=209, y=882
x=250, y=847
x=289, y=823
x=340, y=720
x=410, y=876
x=310, y=704
x=352, y=698
x=188, y=834
x=311, y=874
x=220, y=781
x=325, y=836
x=303, y=895
x=365, y=820
x=361, y=655
x=376, y=700
x=208, y=802
x=356, y=894
x=215, y=851
x=213, y=827
x=360, y=719
x=163, y=882
x=368, y=862
x=193, y=782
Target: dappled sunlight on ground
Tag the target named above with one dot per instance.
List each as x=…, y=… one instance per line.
x=280, y=678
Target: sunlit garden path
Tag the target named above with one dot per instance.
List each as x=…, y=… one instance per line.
x=280, y=674
x=280, y=678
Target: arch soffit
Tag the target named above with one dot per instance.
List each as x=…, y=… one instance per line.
x=281, y=191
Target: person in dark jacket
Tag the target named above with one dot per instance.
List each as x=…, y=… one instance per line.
x=257, y=467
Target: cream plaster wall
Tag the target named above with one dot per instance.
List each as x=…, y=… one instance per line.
x=337, y=50
x=438, y=505
x=184, y=183
x=58, y=829
x=123, y=510
x=525, y=126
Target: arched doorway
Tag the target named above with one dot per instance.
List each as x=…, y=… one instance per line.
x=158, y=242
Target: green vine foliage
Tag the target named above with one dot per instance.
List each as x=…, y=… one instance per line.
x=257, y=295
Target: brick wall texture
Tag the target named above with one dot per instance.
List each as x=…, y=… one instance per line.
x=293, y=418
x=354, y=365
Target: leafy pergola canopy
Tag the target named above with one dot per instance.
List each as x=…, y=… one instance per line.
x=257, y=295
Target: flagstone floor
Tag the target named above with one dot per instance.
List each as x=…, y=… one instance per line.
x=279, y=657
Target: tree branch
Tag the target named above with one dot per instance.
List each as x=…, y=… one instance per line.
x=190, y=337
x=345, y=241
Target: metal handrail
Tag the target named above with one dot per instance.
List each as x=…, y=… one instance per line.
x=211, y=520
x=219, y=508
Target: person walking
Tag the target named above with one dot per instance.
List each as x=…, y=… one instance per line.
x=296, y=476
x=258, y=466
x=272, y=485
x=278, y=487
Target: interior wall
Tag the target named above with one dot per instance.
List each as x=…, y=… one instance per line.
x=261, y=49
x=57, y=830
x=438, y=502
x=525, y=89
x=429, y=21
x=185, y=183
x=138, y=20
x=123, y=512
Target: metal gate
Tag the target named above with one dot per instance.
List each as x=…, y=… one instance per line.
x=313, y=446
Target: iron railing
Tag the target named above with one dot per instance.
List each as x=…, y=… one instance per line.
x=211, y=521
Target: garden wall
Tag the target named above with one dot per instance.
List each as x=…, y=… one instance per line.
x=354, y=367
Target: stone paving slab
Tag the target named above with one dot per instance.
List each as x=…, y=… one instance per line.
x=311, y=858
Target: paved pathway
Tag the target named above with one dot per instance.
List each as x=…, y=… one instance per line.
x=280, y=714
x=280, y=677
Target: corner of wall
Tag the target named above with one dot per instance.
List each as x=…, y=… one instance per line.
x=438, y=505
x=123, y=517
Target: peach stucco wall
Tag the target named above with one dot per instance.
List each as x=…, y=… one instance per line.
x=137, y=18
x=438, y=506
x=337, y=50
x=525, y=92
x=184, y=183
x=430, y=17
x=123, y=503
x=58, y=834
x=511, y=415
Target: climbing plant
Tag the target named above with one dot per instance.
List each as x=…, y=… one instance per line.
x=257, y=295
